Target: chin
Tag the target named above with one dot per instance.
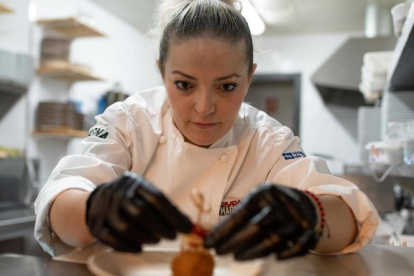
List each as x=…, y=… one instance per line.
x=201, y=141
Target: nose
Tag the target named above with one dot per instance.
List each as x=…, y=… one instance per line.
x=205, y=105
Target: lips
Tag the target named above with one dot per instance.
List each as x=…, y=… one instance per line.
x=204, y=125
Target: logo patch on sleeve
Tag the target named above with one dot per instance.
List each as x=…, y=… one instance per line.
x=228, y=207
x=98, y=132
x=293, y=155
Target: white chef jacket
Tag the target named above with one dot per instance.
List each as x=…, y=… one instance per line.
x=138, y=135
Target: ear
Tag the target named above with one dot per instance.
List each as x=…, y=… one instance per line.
x=252, y=73
x=251, y=76
x=159, y=69
x=158, y=65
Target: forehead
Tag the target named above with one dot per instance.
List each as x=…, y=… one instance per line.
x=207, y=53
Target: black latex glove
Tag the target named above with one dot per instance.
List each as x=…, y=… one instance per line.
x=129, y=212
x=272, y=219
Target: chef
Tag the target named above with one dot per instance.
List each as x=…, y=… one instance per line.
x=131, y=185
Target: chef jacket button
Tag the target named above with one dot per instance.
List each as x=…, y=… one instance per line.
x=224, y=158
x=207, y=208
x=162, y=140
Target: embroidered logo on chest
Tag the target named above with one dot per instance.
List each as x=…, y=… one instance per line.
x=228, y=207
x=293, y=155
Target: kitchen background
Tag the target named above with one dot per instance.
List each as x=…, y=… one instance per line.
x=72, y=58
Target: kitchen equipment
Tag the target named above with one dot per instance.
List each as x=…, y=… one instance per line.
x=399, y=14
x=409, y=143
x=16, y=73
x=52, y=116
x=369, y=129
x=18, y=182
x=409, y=152
x=388, y=153
x=16, y=68
x=7, y=65
x=55, y=49
x=396, y=107
x=374, y=74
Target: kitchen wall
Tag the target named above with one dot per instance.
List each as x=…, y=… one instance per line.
x=125, y=55
x=324, y=130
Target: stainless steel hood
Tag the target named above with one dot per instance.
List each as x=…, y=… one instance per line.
x=10, y=93
x=337, y=80
x=16, y=74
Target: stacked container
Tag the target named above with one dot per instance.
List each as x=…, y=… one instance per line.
x=58, y=116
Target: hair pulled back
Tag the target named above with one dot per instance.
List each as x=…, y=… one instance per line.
x=183, y=20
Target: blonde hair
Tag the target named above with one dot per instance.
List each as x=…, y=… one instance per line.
x=181, y=20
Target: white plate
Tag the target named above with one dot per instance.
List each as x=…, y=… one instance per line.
x=157, y=263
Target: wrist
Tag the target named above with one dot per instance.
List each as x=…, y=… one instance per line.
x=320, y=212
x=67, y=218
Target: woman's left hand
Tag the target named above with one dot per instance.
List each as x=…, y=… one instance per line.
x=272, y=219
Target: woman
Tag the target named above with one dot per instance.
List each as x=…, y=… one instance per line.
x=195, y=132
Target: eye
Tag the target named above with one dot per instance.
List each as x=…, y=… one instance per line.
x=229, y=87
x=182, y=85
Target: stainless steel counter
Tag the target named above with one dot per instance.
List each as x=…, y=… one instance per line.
x=16, y=232
x=373, y=260
x=20, y=265
x=16, y=223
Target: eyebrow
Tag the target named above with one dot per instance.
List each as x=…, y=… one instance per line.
x=193, y=78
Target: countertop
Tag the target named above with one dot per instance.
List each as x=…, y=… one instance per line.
x=373, y=260
x=21, y=265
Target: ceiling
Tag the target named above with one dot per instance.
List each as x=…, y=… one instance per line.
x=286, y=16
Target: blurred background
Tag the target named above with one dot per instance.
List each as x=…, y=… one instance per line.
x=339, y=73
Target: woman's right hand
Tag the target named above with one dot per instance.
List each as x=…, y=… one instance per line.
x=129, y=212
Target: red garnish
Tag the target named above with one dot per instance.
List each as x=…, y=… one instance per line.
x=200, y=231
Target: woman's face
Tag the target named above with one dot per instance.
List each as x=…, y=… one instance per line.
x=206, y=81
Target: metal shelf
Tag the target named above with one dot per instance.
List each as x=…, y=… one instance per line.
x=8, y=87
x=5, y=9
x=10, y=93
x=400, y=77
x=401, y=171
x=404, y=171
x=71, y=27
x=398, y=171
x=62, y=133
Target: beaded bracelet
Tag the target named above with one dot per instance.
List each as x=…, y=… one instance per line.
x=321, y=210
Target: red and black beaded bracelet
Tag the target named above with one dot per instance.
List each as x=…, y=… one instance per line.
x=321, y=210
